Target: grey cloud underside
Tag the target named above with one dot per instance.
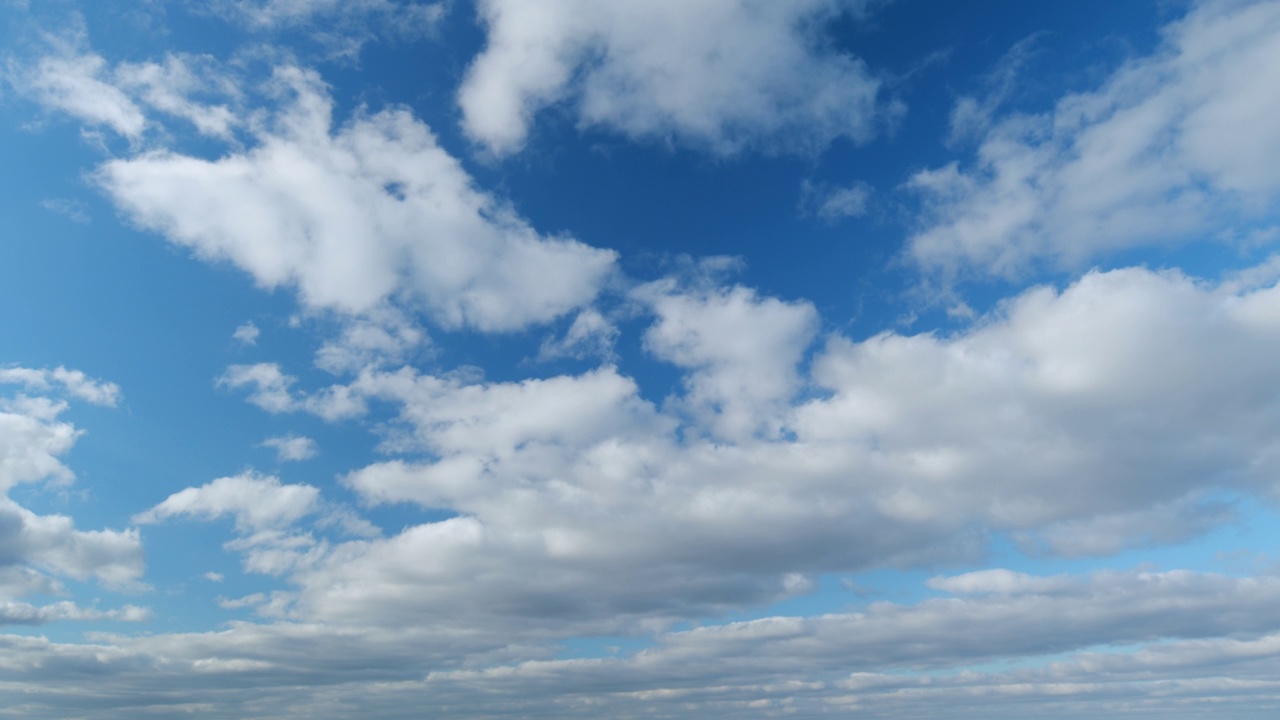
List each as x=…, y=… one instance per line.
x=869, y=660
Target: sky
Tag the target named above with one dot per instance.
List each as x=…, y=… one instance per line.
x=639, y=359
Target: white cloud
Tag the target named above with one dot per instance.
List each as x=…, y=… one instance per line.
x=720, y=74
x=74, y=382
x=1173, y=147
x=18, y=613
x=273, y=392
x=355, y=217
x=590, y=335
x=292, y=447
x=1116, y=413
x=270, y=385
x=382, y=336
x=82, y=84
x=171, y=86
x=256, y=502
x=35, y=548
x=741, y=353
x=246, y=334
x=74, y=84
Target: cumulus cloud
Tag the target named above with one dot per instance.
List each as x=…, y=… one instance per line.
x=1173, y=147
x=740, y=352
x=1121, y=411
x=256, y=502
x=719, y=74
x=352, y=217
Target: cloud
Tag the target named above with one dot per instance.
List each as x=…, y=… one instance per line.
x=18, y=613
x=270, y=385
x=81, y=83
x=35, y=548
x=590, y=335
x=383, y=336
x=292, y=447
x=246, y=334
x=73, y=83
x=1192, y=636
x=74, y=382
x=373, y=211
x=256, y=503
x=340, y=27
x=275, y=13
x=1122, y=411
x=75, y=210
x=1173, y=147
x=740, y=352
x=718, y=74
x=833, y=204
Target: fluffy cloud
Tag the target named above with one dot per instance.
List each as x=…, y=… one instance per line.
x=256, y=502
x=719, y=74
x=1119, y=412
x=1173, y=147
x=351, y=218
x=740, y=353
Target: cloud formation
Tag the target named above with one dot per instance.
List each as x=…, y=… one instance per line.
x=354, y=216
x=1174, y=147
x=716, y=74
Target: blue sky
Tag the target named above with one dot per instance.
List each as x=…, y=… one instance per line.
x=561, y=358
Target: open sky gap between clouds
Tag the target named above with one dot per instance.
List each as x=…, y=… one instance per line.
x=1127, y=408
